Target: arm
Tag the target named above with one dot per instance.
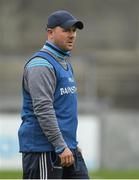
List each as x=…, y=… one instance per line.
x=40, y=82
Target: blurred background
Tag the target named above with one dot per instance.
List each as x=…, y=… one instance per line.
x=106, y=64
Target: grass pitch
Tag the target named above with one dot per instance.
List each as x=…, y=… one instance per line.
x=101, y=174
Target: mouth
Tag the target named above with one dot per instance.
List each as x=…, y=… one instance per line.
x=70, y=43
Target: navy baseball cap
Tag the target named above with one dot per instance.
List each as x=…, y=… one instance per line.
x=63, y=19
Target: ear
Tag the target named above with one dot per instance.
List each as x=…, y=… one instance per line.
x=50, y=33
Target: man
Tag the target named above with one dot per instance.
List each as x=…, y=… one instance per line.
x=47, y=135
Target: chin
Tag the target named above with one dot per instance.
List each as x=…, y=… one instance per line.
x=69, y=48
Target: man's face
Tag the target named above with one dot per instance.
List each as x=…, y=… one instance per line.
x=62, y=38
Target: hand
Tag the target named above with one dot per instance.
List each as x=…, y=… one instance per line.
x=66, y=157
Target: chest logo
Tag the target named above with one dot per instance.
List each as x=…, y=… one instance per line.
x=68, y=90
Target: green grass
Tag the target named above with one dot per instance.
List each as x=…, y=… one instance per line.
x=115, y=174
x=11, y=174
x=101, y=174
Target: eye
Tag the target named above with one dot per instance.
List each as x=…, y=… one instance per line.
x=74, y=30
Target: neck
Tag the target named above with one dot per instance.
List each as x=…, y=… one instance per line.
x=52, y=43
x=56, y=50
x=54, y=46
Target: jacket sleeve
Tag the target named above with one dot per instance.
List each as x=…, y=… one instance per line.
x=40, y=82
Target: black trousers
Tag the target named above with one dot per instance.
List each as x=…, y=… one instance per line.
x=47, y=166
